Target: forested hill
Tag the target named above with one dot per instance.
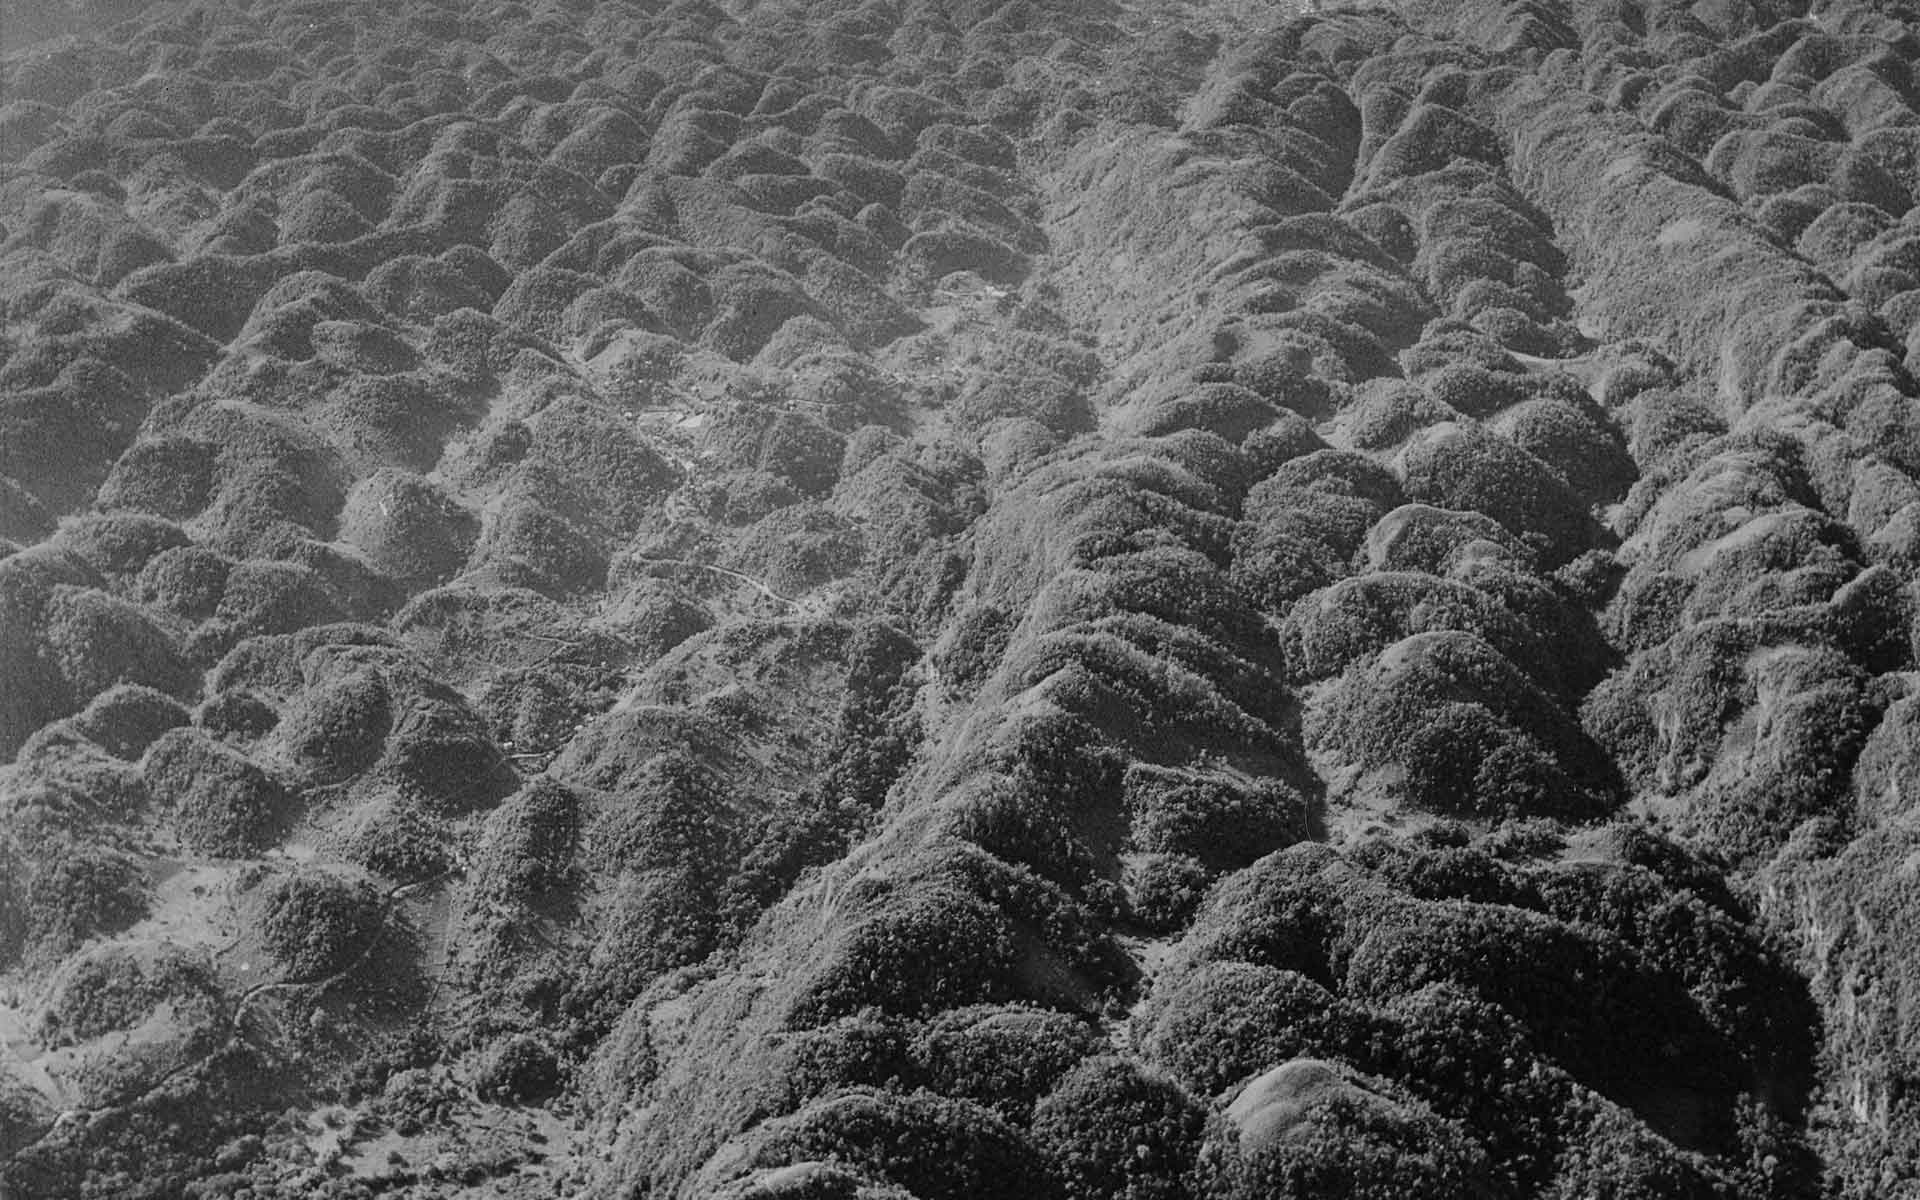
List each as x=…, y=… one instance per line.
x=909, y=600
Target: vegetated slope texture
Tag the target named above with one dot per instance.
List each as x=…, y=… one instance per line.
x=1105, y=599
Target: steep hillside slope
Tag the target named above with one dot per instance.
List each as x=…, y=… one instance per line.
x=799, y=599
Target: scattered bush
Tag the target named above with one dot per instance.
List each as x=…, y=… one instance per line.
x=239, y=715
x=1619, y=1156
x=1002, y=1058
x=262, y=597
x=213, y=294
x=750, y=305
x=1575, y=443
x=419, y=289
x=36, y=693
x=390, y=835
x=933, y=1147
x=1386, y=419
x=1467, y=730
x=649, y=922
x=1028, y=824
x=1445, y=868
x=1421, y=538
x=979, y=639
x=336, y=727
x=800, y=547
x=534, y=546
x=1473, y=390
x=1165, y=890
x=873, y=181
x=222, y=804
x=187, y=581
x=1057, y=404
x=441, y=754
x=121, y=543
x=407, y=527
x=1112, y=1130
x=1432, y=137
x=1310, y=1129
x=1221, y=823
x=932, y=946
x=1534, y=968
x=401, y=420
x=96, y=641
x=790, y=446
x=935, y=254
x=599, y=460
x=1465, y=467
x=362, y=347
x=1226, y=1021
x=1230, y=410
x=319, y=923
x=323, y=215
x=171, y=475
x=675, y=290
x=517, y=1069
x=1357, y=618
x=1343, y=473
x=1465, y=761
x=125, y=720
x=117, y=987
x=1277, y=568
x=1302, y=524
x=74, y=782
x=527, y=845
x=80, y=892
